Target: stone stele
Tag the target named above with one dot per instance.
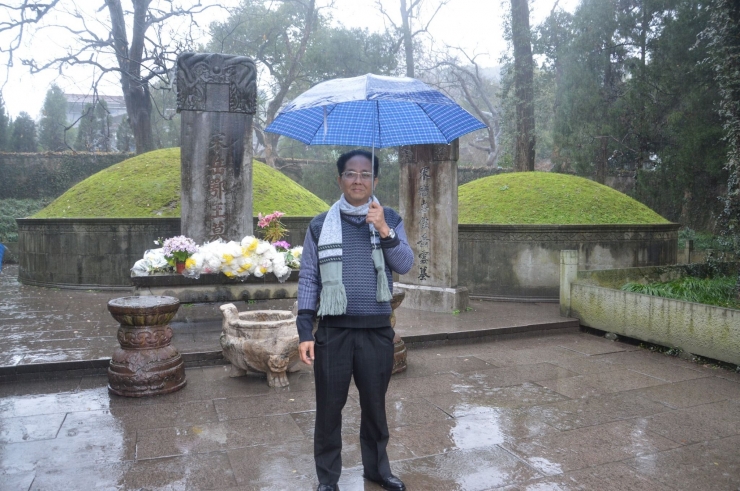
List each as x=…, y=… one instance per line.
x=428, y=205
x=217, y=97
x=260, y=340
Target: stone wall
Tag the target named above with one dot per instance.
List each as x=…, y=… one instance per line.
x=500, y=261
x=85, y=253
x=48, y=175
x=713, y=332
x=523, y=261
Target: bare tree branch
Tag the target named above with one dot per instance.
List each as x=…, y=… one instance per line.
x=148, y=54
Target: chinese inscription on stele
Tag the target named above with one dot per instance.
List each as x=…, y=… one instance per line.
x=423, y=242
x=216, y=198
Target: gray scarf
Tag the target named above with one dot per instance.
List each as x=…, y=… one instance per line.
x=333, y=299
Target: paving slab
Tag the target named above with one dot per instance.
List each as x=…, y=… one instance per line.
x=556, y=409
x=43, y=329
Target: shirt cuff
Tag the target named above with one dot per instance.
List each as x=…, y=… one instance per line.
x=388, y=243
x=304, y=322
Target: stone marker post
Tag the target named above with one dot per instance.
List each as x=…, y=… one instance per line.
x=568, y=274
x=217, y=96
x=687, y=251
x=428, y=205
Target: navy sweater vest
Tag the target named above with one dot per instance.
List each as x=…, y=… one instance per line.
x=358, y=273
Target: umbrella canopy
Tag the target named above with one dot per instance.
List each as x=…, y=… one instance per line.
x=373, y=111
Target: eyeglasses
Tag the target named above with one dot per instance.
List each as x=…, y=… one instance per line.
x=351, y=175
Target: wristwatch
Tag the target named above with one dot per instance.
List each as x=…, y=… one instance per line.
x=391, y=234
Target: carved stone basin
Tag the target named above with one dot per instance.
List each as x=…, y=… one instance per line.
x=145, y=364
x=263, y=341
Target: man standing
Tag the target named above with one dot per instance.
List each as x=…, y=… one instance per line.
x=348, y=258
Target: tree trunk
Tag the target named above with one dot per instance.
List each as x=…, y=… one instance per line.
x=602, y=161
x=135, y=90
x=523, y=86
x=139, y=111
x=271, y=139
x=408, y=42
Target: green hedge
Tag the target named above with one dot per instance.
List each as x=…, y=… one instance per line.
x=48, y=175
x=10, y=209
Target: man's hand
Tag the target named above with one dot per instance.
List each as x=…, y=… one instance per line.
x=376, y=216
x=306, y=351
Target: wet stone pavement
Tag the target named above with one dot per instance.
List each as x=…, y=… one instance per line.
x=559, y=410
x=49, y=328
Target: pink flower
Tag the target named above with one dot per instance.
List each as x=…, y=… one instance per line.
x=281, y=244
x=265, y=220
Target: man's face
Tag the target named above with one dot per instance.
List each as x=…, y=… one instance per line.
x=357, y=190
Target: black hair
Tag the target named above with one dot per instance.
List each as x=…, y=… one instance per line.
x=342, y=160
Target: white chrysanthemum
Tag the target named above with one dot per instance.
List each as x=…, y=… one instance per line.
x=155, y=258
x=247, y=240
x=197, y=262
x=233, y=249
x=141, y=268
x=263, y=247
x=211, y=262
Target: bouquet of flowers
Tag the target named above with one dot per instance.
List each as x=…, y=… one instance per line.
x=251, y=256
x=178, y=249
x=272, y=229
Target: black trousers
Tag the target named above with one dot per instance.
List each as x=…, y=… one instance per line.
x=341, y=354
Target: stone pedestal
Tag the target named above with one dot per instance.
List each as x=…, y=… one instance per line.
x=217, y=97
x=428, y=205
x=145, y=364
x=399, y=347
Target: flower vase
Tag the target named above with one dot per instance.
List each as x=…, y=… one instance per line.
x=180, y=267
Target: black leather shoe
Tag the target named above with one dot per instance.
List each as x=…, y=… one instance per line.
x=328, y=487
x=391, y=483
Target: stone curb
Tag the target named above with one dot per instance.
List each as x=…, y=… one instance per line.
x=207, y=358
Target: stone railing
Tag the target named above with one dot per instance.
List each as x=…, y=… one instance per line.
x=520, y=262
x=595, y=299
x=85, y=253
x=517, y=262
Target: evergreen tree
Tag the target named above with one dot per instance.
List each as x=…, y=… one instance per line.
x=93, y=134
x=723, y=33
x=23, y=138
x=125, y=137
x=53, y=121
x=4, y=125
x=523, y=86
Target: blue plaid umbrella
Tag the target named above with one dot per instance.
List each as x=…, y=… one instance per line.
x=373, y=111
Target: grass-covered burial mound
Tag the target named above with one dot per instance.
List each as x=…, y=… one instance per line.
x=546, y=198
x=148, y=186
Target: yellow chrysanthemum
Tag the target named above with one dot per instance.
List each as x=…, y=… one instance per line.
x=253, y=245
x=189, y=263
x=228, y=258
x=263, y=269
x=229, y=274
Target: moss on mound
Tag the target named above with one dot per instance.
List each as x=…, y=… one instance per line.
x=148, y=185
x=541, y=198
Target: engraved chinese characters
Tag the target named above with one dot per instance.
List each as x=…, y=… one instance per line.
x=216, y=197
x=428, y=205
x=216, y=96
x=423, y=242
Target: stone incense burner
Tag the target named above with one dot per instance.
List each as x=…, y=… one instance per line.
x=263, y=341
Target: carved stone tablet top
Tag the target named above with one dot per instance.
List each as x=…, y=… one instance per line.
x=410, y=154
x=216, y=82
